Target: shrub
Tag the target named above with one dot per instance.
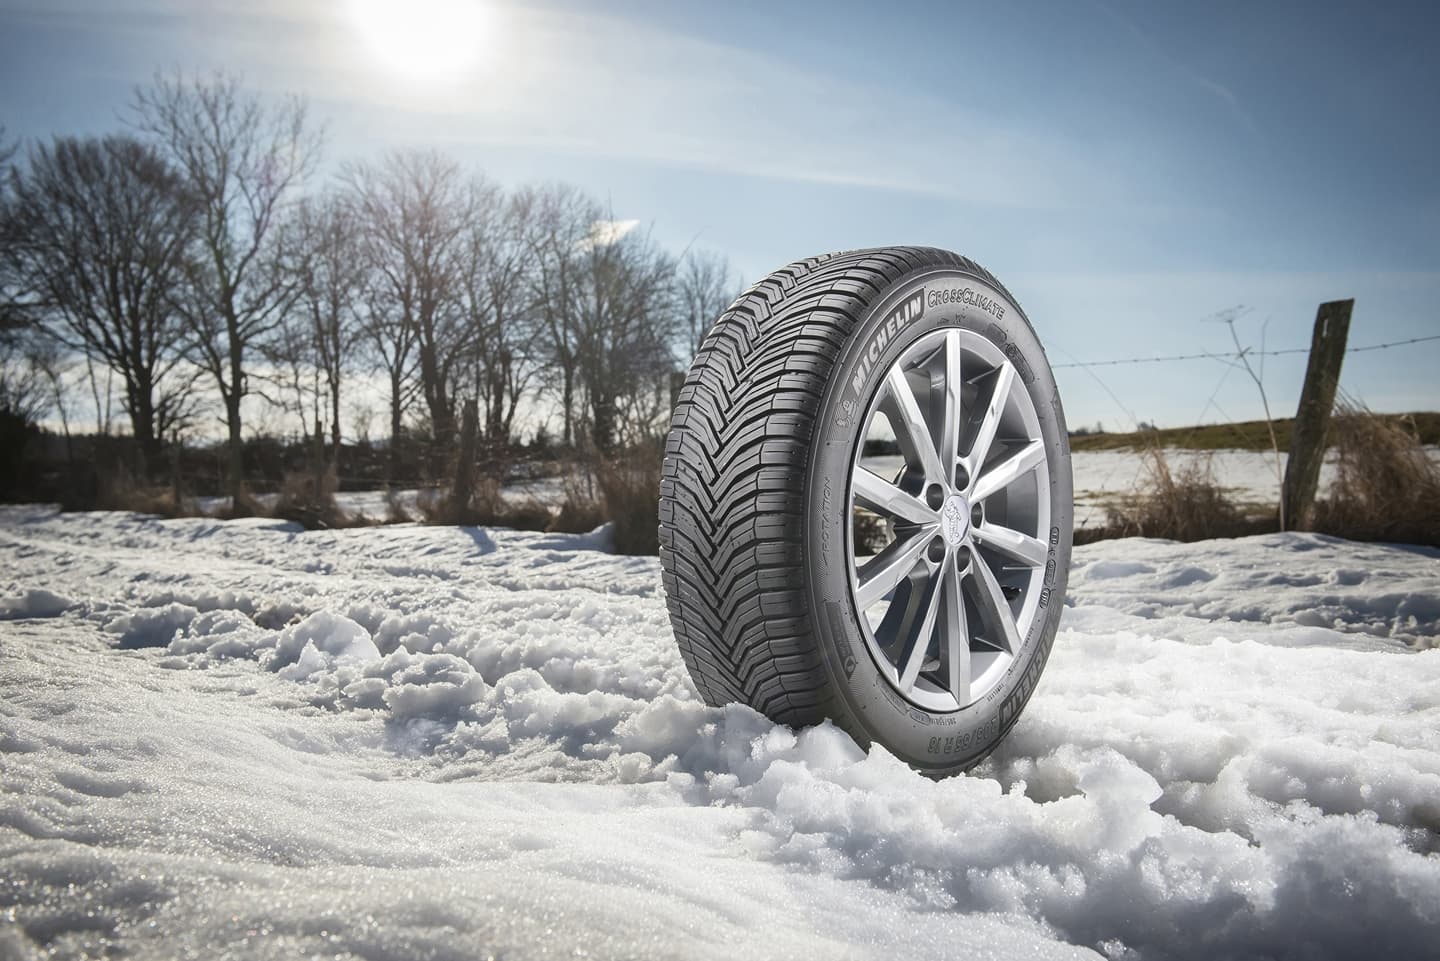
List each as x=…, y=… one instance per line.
x=487, y=508
x=309, y=500
x=395, y=512
x=1386, y=487
x=580, y=511
x=119, y=489
x=526, y=515
x=1182, y=505
x=482, y=510
x=630, y=489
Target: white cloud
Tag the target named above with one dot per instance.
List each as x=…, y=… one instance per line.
x=603, y=233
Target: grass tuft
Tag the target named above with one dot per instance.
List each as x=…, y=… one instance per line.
x=1386, y=487
x=1184, y=504
x=630, y=490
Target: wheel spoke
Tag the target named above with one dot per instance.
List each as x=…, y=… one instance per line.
x=994, y=608
x=1008, y=471
x=911, y=430
x=917, y=645
x=880, y=574
x=1021, y=547
x=990, y=423
x=955, y=651
x=949, y=445
x=879, y=495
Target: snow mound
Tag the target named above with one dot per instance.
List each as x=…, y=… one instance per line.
x=34, y=602
x=321, y=643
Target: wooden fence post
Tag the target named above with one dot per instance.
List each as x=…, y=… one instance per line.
x=1312, y=416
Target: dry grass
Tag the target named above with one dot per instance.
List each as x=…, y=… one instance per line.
x=443, y=510
x=309, y=501
x=527, y=515
x=487, y=508
x=1184, y=504
x=1386, y=487
x=395, y=512
x=123, y=495
x=121, y=490
x=581, y=511
x=630, y=490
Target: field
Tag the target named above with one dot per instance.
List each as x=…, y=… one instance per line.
x=1240, y=435
x=239, y=739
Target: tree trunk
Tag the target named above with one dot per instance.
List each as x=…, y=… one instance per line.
x=142, y=423
x=602, y=431
x=335, y=419
x=233, y=396
x=392, y=461
x=568, y=402
x=463, y=490
x=318, y=461
x=235, y=468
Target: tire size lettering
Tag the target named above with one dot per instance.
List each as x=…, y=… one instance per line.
x=965, y=743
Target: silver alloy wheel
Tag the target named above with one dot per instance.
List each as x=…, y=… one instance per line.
x=948, y=593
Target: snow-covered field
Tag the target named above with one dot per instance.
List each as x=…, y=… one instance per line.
x=241, y=740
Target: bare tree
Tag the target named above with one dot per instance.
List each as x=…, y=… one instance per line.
x=412, y=209
x=499, y=305
x=320, y=332
x=391, y=344
x=557, y=226
x=102, y=230
x=604, y=295
x=704, y=288
x=11, y=313
x=627, y=325
x=244, y=161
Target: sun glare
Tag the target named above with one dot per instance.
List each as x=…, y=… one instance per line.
x=424, y=39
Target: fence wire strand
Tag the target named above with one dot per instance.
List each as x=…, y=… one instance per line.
x=1226, y=357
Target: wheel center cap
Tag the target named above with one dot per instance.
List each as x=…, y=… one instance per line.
x=954, y=519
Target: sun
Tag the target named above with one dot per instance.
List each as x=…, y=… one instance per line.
x=424, y=39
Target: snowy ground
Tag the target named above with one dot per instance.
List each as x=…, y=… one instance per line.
x=240, y=740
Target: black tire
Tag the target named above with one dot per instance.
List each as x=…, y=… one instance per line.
x=760, y=554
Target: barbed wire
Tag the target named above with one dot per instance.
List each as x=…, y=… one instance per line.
x=1227, y=357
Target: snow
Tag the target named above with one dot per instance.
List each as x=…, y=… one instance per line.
x=240, y=739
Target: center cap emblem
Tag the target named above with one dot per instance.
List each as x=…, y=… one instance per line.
x=954, y=519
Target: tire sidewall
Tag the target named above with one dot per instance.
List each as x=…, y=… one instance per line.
x=917, y=304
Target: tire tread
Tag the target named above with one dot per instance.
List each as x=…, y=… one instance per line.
x=732, y=493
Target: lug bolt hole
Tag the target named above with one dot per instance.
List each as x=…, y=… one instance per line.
x=962, y=558
x=934, y=496
x=977, y=515
x=962, y=479
x=936, y=550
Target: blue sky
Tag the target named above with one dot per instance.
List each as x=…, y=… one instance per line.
x=1127, y=168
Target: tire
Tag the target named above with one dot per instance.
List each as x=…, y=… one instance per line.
x=802, y=566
